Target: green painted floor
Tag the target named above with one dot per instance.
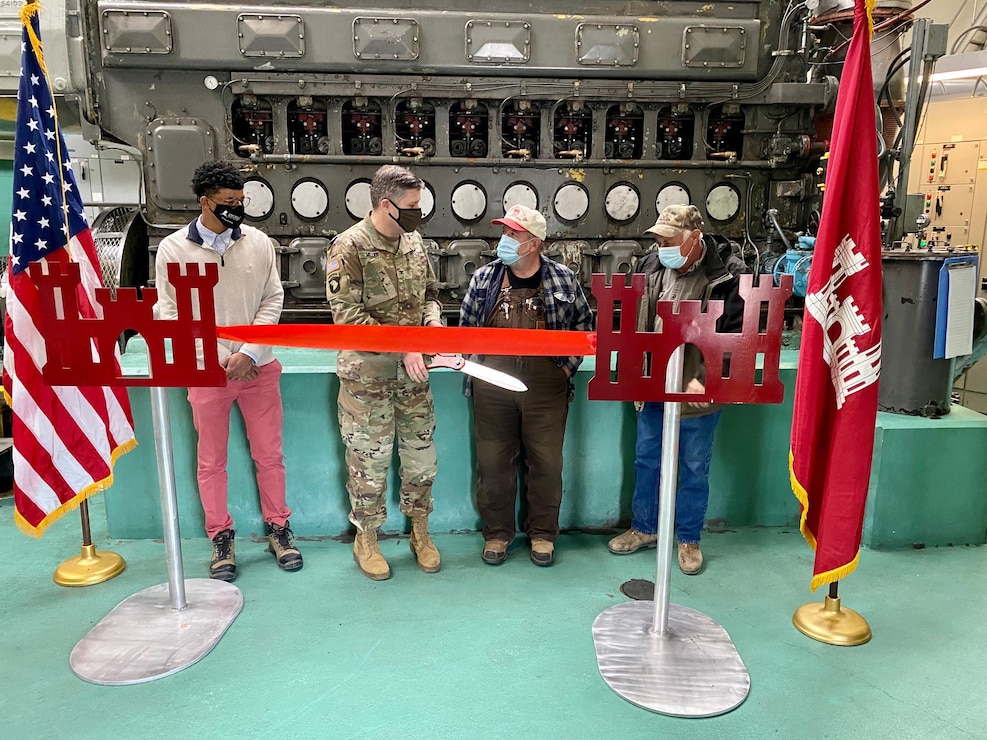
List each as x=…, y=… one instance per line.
x=482, y=652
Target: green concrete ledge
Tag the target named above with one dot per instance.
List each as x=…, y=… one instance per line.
x=929, y=481
x=926, y=485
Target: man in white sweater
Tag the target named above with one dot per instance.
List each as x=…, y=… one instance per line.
x=249, y=292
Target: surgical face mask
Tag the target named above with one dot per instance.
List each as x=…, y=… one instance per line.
x=408, y=219
x=508, y=248
x=229, y=216
x=671, y=257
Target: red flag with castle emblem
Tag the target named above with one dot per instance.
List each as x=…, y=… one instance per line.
x=840, y=356
x=66, y=438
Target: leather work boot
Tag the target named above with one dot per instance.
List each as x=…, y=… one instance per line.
x=690, y=559
x=422, y=545
x=281, y=542
x=494, y=552
x=367, y=556
x=542, y=552
x=223, y=565
x=631, y=541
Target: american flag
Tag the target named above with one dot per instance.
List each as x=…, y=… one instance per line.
x=66, y=439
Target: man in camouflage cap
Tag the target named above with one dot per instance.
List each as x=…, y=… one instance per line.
x=687, y=265
x=378, y=273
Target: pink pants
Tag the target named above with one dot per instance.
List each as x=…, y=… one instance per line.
x=260, y=404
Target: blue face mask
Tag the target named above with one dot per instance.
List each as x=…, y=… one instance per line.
x=671, y=257
x=507, y=250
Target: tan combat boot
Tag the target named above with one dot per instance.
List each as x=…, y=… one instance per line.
x=367, y=556
x=422, y=545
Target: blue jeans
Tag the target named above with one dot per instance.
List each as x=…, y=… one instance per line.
x=695, y=452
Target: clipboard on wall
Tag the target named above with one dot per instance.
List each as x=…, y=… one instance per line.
x=954, y=307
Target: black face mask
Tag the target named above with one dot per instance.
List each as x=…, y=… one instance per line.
x=229, y=216
x=408, y=219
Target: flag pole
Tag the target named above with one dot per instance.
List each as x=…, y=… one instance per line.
x=831, y=623
x=89, y=567
x=836, y=392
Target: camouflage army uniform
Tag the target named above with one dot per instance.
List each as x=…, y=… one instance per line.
x=371, y=281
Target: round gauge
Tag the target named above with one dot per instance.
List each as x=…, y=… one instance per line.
x=358, y=199
x=672, y=195
x=469, y=202
x=520, y=194
x=622, y=202
x=571, y=202
x=723, y=202
x=258, y=199
x=210, y=82
x=427, y=202
x=310, y=199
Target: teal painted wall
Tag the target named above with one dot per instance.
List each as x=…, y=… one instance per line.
x=598, y=453
x=910, y=498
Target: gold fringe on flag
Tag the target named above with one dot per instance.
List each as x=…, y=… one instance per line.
x=27, y=13
x=836, y=574
x=76, y=501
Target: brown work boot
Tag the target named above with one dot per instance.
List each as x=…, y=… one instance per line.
x=367, y=556
x=422, y=545
x=631, y=541
x=281, y=542
x=542, y=552
x=690, y=559
x=494, y=552
x=223, y=565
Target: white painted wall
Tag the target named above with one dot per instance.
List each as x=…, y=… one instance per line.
x=959, y=14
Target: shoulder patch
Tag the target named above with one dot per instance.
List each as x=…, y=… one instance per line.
x=333, y=268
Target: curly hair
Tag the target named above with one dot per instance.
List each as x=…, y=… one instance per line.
x=391, y=182
x=213, y=176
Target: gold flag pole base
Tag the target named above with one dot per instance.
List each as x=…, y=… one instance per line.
x=89, y=568
x=829, y=623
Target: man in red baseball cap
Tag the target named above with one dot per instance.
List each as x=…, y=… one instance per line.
x=523, y=220
x=522, y=289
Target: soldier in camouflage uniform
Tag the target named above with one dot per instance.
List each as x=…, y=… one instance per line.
x=378, y=273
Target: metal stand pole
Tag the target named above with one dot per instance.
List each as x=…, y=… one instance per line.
x=666, y=492
x=142, y=639
x=665, y=657
x=161, y=417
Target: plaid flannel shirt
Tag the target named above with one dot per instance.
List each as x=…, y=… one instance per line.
x=566, y=307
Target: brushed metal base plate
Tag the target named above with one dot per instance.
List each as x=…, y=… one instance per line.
x=694, y=671
x=143, y=638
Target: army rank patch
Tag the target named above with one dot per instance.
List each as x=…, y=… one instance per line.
x=332, y=276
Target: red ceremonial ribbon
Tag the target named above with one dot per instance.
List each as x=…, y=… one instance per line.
x=424, y=339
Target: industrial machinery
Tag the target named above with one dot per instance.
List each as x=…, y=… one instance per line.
x=598, y=119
